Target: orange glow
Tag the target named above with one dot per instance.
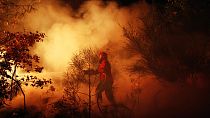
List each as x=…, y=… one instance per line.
x=99, y=27
x=66, y=34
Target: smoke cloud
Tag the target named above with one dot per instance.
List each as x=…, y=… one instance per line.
x=94, y=25
x=99, y=25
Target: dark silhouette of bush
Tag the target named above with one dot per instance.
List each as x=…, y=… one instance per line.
x=174, y=41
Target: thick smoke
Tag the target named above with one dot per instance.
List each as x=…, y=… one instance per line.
x=96, y=24
x=68, y=31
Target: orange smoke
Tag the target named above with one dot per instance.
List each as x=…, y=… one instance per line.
x=97, y=25
x=94, y=25
x=66, y=34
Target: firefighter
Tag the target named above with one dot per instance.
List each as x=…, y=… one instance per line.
x=106, y=80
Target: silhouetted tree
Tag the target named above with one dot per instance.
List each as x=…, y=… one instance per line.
x=15, y=51
x=72, y=104
x=174, y=41
x=15, y=54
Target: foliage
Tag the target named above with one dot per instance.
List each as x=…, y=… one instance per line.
x=86, y=59
x=174, y=43
x=12, y=10
x=190, y=15
x=72, y=104
x=15, y=54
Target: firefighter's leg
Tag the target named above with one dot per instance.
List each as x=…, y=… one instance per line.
x=99, y=90
x=109, y=92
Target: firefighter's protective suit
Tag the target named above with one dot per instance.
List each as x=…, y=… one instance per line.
x=106, y=80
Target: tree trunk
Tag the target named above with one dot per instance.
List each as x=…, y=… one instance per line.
x=89, y=95
x=89, y=88
x=24, y=97
x=13, y=74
